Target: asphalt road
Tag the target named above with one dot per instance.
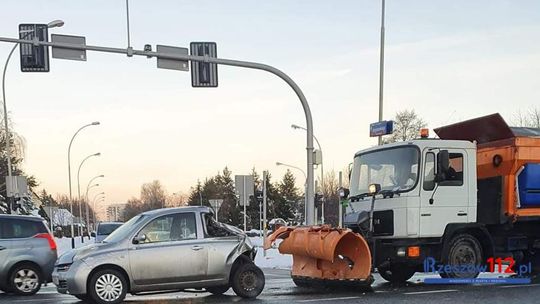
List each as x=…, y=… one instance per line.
x=280, y=289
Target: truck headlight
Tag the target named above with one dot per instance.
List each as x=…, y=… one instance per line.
x=401, y=252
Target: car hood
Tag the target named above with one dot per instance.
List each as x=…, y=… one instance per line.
x=80, y=253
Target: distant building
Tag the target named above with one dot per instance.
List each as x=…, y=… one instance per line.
x=115, y=212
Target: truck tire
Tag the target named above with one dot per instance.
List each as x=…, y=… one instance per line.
x=218, y=290
x=248, y=280
x=465, y=252
x=396, y=273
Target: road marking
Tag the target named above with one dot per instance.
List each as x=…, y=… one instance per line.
x=521, y=285
x=328, y=299
x=429, y=291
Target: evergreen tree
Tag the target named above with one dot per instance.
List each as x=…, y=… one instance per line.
x=287, y=204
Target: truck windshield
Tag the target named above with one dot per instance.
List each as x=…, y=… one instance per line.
x=395, y=169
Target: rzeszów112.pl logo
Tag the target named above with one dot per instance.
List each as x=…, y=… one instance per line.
x=492, y=265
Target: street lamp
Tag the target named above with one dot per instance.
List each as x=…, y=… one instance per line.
x=95, y=123
x=296, y=127
x=55, y=23
x=101, y=199
x=79, y=190
x=94, y=203
x=305, y=186
x=86, y=196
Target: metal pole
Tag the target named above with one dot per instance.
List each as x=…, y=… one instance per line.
x=245, y=203
x=340, y=208
x=265, y=174
x=237, y=63
x=88, y=200
x=127, y=19
x=381, y=70
x=79, y=195
x=69, y=178
x=316, y=209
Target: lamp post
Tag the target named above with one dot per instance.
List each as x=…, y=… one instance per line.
x=381, y=70
x=95, y=123
x=296, y=127
x=52, y=24
x=86, y=196
x=79, y=192
x=94, y=203
x=305, y=187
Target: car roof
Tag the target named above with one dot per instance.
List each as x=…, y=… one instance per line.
x=22, y=217
x=162, y=211
x=120, y=223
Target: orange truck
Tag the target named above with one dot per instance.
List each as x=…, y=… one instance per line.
x=463, y=201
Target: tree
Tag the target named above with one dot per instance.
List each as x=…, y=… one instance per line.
x=288, y=202
x=530, y=119
x=153, y=195
x=407, y=126
x=331, y=196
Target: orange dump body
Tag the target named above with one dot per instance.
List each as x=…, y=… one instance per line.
x=502, y=151
x=325, y=253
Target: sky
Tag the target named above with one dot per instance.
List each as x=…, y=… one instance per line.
x=447, y=60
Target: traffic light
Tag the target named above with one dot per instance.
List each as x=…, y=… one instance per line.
x=34, y=58
x=319, y=200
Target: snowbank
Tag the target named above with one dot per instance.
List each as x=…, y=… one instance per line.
x=272, y=258
x=64, y=244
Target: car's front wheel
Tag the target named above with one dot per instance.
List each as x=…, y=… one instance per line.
x=25, y=280
x=108, y=286
x=248, y=280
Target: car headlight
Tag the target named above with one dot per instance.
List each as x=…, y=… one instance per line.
x=63, y=267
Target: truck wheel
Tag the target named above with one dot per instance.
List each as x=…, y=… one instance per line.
x=218, y=290
x=248, y=280
x=464, y=256
x=397, y=273
x=25, y=280
x=107, y=286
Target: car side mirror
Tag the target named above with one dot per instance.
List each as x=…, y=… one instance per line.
x=139, y=239
x=93, y=234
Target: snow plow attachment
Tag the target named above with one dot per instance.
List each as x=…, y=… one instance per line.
x=322, y=254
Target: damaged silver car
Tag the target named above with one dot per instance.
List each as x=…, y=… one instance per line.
x=162, y=250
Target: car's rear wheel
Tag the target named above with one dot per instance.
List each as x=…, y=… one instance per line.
x=218, y=290
x=108, y=286
x=25, y=280
x=248, y=280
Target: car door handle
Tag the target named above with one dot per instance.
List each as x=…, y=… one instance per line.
x=462, y=214
x=196, y=248
x=425, y=214
x=2, y=248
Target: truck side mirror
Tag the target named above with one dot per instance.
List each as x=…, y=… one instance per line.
x=93, y=234
x=343, y=193
x=443, y=164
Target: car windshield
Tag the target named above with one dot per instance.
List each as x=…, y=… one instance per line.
x=122, y=232
x=107, y=228
x=394, y=169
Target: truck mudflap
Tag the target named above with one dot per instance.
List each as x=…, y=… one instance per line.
x=325, y=254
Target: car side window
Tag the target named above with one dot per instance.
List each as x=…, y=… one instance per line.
x=173, y=227
x=19, y=229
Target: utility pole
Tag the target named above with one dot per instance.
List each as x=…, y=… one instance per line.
x=381, y=70
x=340, y=212
x=265, y=174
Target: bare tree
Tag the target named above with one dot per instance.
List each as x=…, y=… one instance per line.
x=529, y=119
x=407, y=126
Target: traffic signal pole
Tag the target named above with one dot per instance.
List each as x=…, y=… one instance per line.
x=206, y=59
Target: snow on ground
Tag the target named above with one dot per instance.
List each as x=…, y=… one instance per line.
x=64, y=244
x=271, y=258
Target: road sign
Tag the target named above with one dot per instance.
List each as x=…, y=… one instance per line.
x=216, y=204
x=171, y=64
x=244, y=188
x=17, y=186
x=381, y=128
x=69, y=54
x=34, y=58
x=204, y=74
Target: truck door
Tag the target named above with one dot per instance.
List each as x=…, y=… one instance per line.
x=448, y=201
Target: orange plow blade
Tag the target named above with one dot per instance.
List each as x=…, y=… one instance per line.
x=324, y=253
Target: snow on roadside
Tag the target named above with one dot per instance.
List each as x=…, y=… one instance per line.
x=64, y=244
x=272, y=258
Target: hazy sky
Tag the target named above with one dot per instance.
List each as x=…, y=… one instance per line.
x=448, y=60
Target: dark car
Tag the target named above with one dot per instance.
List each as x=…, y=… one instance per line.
x=27, y=254
x=103, y=230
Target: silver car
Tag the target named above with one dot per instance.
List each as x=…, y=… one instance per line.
x=104, y=229
x=162, y=250
x=27, y=254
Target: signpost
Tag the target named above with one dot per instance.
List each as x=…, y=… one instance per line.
x=34, y=57
x=381, y=128
x=216, y=204
x=203, y=74
x=69, y=54
x=244, y=189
